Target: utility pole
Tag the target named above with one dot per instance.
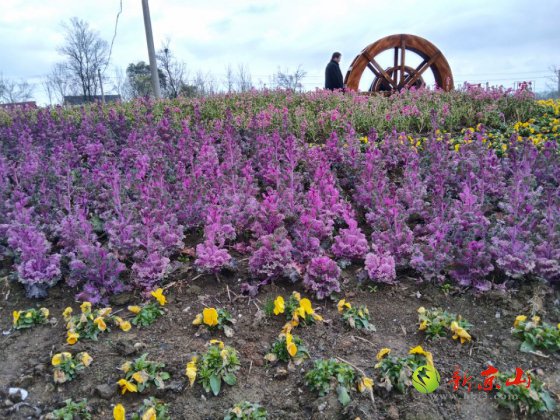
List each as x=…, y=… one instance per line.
x=151, y=50
x=101, y=85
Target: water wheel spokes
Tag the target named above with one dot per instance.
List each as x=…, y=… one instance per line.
x=400, y=76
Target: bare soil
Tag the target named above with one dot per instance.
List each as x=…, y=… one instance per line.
x=25, y=355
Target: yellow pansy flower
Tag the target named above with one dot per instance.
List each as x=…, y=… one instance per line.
x=158, y=294
x=536, y=319
x=343, y=304
x=197, y=319
x=134, y=309
x=125, y=367
x=317, y=317
x=519, y=319
x=423, y=325
x=16, y=315
x=421, y=310
x=100, y=322
x=297, y=295
x=225, y=354
x=417, y=350
x=459, y=332
x=290, y=345
x=218, y=342
x=72, y=337
x=305, y=304
x=288, y=327
x=427, y=354
x=85, y=307
x=150, y=414
x=104, y=312
x=279, y=306
x=382, y=353
x=365, y=383
x=57, y=359
x=67, y=313
x=210, y=316
x=140, y=377
x=119, y=413
x=45, y=312
x=125, y=326
x=85, y=358
x=191, y=370
x=127, y=386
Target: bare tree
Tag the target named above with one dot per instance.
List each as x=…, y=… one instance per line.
x=204, y=83
x=230, y=78
x=174, y=70
x=11, y=92
x=554, y=85
x=119, y=84
x=86, y=53
x=243, y=79
x=287, y=80
x=58, y=83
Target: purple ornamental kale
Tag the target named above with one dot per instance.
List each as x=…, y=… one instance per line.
x=321, y=277
x=380, y=267
x=211, y=258
x=350, y=243
x=272, y=256
x=97, y=271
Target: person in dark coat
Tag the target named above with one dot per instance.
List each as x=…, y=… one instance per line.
x=333, y=75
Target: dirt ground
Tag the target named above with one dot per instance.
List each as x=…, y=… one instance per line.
x=25, y=355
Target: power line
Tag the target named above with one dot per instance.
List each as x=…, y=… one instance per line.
x=114, y=36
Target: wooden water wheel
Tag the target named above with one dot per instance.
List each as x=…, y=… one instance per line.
x=399, y=75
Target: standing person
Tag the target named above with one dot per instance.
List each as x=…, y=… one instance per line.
x=333, y=75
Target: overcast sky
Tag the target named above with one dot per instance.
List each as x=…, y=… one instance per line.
x=500, y=41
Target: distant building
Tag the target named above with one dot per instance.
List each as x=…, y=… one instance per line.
x=29, y=104
x=81, y=100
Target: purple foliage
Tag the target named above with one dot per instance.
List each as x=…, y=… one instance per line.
x=321, y=277
x=272, y=256
x=96, y=271
x=108, y=194
x=350, y=243
x=380, y=267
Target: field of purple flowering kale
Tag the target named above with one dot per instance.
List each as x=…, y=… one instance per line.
x=297, y=186
x=299, y=255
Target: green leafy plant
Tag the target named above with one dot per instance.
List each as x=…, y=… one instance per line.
x=396, y=372
x=219, y=364
x=355, y=316
x=439, y=323
x=30, y=318
x=446, y=288
x=66, y=366
x=246, y=411
x=141, y=374
x=527, y=400
x=287, y=347
x=90, y=323
x=297, y=310
x=71, y=410
x=536, y=334
x=152, y=407
x=215, y=319
x=327, y=374
x=145, y=315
